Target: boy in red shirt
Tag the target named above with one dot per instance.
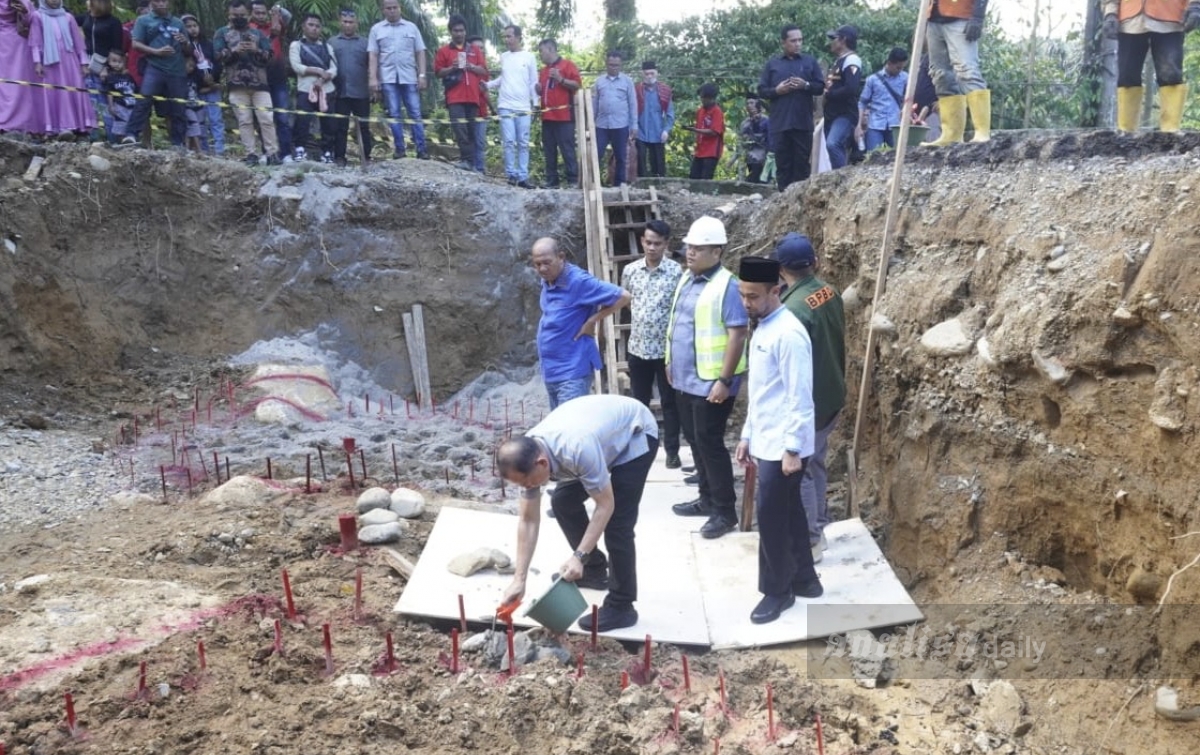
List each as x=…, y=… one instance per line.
x=710, y=134
x=557, y=84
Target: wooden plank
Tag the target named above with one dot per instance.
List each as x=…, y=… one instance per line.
x=413, y=357
x=633, y=202
x=747, y=521
x=397, y=562
x=414, y=338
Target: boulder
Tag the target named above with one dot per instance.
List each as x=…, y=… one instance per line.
x=947, y=339
x=466, y=564
x=243, y=491
x=377, y=534
x=373, y=498
x=377, y=516
x=1000, y=708
x=409, y=504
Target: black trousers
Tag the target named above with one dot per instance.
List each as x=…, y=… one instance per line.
x=1167, y=50
x=303, y=123
x=558, y=137
x=462, y=123
x=784, y=555
x=359, y=107
x=793, y=156
x=628, y=481
x=643, y=374
x=754, y=172
x=703, y=168
x=652, y=158
x=704, y=426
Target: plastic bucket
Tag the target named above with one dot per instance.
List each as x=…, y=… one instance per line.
x=558, y=607
x=916, y=135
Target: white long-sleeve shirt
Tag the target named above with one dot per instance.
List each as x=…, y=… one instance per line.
x=780, y=416
x=517, y=81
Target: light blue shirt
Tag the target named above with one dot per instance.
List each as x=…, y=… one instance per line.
x=588, y=436
x=683, y=337
x=397, y=46
x=883, y=112
x=653, y=121
x=780, y=415
x=566, y=305
x=615, y=101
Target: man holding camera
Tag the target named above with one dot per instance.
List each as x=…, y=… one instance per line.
x=160, y=38
x=461, y=67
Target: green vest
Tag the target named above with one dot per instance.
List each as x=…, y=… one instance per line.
x=819, y=307
x=710, y=335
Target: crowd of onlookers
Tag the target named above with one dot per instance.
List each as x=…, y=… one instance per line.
x=101, y=73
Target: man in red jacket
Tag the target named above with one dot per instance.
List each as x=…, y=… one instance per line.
x=461, y=67
x=557, y=83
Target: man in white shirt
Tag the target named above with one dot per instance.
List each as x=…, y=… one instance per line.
x=396, y=64
x=518, y=95
x=778, y=437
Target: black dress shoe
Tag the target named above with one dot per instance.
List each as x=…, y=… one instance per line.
x=609, y=618
x=769, y=608
x=692, y=479
x=688, y=469
x=716, y=526
x=811, y=589
x=595, y=579
x=673, y=461
x=692, y=508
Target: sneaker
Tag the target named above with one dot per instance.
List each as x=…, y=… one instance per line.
x=716, y=526
x=463, y=165
x=422, y=155
x=399, y=155
x=275, y=160
x=299, y=154
x=609, y=618
x=327, y=158
x=127, y=141
x=525, y=185
x=251, y=160
x=673, y=461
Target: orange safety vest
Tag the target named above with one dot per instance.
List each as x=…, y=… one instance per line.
x=954, y=8
x=1170, y=11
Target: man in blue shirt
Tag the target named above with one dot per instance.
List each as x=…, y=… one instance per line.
x=572, y=302
x=656, y=118
x=879, y=106
x=615, y=105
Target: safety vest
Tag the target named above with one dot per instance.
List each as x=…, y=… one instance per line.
x=953, y=8
x=1170, y=11
x=709, y=337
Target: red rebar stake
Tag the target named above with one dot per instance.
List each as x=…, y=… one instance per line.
x=157, y=419
x=455, y=414
x=358, y=594
x=287, y=594
x=328, y=649
x=395, y=465
x=447, y=471
x=270, y=474
x=308, y=473
x=675, y=720
x=350, y=466
x=624, y=680
x=470, y=409
x=506, y=412
x=770, y=713
x=321, y=459
x=135, y=429
x=189, y=478
x=366, y=403
x=512, y=654
x=141, y=690
x=454, y=650
x=71, y=721
x=717, y=746
x=595, y=623
x=391, y=405
x=203, y=657
x=162, y=473
x=579, y=666
x=1, y=748
x=721, y=682
x=407, y=409
x=362, y=459
x=227, y=476
x=390, y=659
x=196, y=405
x=687, y=677
x=217, y=467
x=646, y=660
x=278, y=638
x=522, y=412
x=820, y=736
x=462, y=613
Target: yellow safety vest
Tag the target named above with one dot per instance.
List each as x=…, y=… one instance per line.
x=709, y=337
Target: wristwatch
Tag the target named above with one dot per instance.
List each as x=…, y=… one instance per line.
x=580, y=555
x=727, y=382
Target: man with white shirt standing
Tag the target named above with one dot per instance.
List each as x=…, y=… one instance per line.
x=518, y=95
x=777, y=438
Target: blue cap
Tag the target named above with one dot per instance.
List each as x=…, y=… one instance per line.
x=795, y=250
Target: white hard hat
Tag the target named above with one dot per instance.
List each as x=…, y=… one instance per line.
x=706, y=231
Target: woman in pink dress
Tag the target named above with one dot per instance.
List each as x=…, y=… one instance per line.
x=20, y=105
x=60, y=57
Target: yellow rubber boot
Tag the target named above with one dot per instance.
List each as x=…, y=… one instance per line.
x=1170, y=103
x=953, y=112
x=979, y=103
x=1129, y=108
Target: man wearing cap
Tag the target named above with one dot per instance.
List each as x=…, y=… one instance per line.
x=818, y=306
x=705, y=358
x=841, y=93
x=954, y=29
x=882, y=101
x=572, y=302
x=777, y=438
x=598, y=447
x=656, y=118
x=790, y=83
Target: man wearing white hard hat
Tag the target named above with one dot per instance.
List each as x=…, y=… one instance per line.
x=706, y=338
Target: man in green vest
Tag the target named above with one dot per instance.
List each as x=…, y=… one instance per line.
x=706, y=339
x=818, y=306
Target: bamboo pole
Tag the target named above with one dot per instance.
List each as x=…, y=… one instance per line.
x=885, y=254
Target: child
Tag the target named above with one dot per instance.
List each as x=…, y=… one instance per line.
x=198, y=80
x=710, y=134
x=119, y=90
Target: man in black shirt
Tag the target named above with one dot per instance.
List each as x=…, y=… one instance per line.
x=790, y=82
x=842, y=86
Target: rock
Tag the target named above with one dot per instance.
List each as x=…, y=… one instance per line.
x=850, y=297
x=297, y=389
x=132, y=498
x=984, y=350
x=377, y=516
x=882, y=325
x=1050, y=575
x=352, y=680
x=1168, y=410
x=1051, y=368
x=1056, y=253
x=243, y=492
x=1166, y=704
x=377, y=534
x=466, y=564
x=1125, y=318
x=99, y=164
x=1000, y=708
x=1057, y=265
x=1144, y=586
x=870, y=663
x=982, y=742
x=31, y=584
x=34, y=421
x=409, y=504
x=373, y=498
x=947, y=339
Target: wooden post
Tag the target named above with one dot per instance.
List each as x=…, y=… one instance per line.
x=748, y=490
x=885, y=255
x=414, y=338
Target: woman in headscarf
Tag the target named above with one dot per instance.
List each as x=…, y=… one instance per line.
x=60, y=58
x=202, y=50
x=102, y=33
x=20, y=104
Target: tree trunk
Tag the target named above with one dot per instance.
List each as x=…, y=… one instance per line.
x=620, y=27
x=1099, y=72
